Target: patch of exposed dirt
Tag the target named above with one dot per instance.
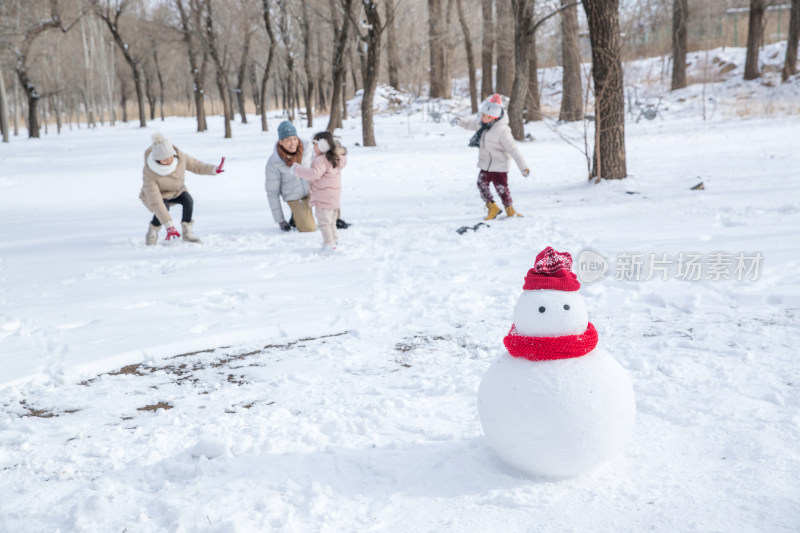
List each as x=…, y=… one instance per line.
x=155, y=407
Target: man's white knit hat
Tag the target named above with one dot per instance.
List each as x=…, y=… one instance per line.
x=162, y=148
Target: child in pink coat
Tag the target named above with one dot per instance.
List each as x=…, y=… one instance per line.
x=325, y=179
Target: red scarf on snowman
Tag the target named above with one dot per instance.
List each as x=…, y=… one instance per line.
x=552, y=271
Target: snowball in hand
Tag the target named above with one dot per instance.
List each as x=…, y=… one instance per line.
x=554, y=405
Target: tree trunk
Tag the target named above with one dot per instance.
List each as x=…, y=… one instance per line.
x=72, y=113
x=506, y=45
x=16, y=110
x=151, y=97
x=487, y=49
x=371, y=69
x=790, y=64
x=344, y=95
x=322, y=84
x=33, y=116
x=393, y=59
x=437, y=43
x=449, y=47
x=340, y=35
x=242, y=77
x=609, y=153
x=532, y=104
x=88, y=84
x=297, y=94
x=199, y=88
x=680, y=14
x=308, y=91
x=523, y=19
x=46, y=117
x=3, y=110
x=254, y=86
x=227, y=114
x=473, y=89
x=209, y=37
x=160, y=79
x=89, y=115
x=572, y=93
x=137, y=81
x=123, y=102
x=57, y=112
x=268, y=68
x=362, y=60
x=198, y=72
x=133, y=63
x=755, y=35
x=108, y=60
x=33, y=100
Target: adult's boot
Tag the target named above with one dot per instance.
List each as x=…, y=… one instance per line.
x=152, y=235
x=188, y=236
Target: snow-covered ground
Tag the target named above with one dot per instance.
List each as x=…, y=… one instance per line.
x=248, y=384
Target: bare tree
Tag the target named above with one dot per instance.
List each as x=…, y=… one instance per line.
x=437, y=39
x=198, y=58
x=148, y=92
x=608, y=161
x=371, y=41
x=110, y=12
x=160, y=79
x=680, y=15
x=241, y=72
x=392, y=57
x=322, y=82
x=523, y=19
x=308, y=91
x=340, y=19
x=268, y=67
x=3, y=110
x=211, y=42
x=755, y=31
x=33, y=31
x=473, y=88
x=506, y=46
x=790, y=64
x=487, y=49
x=525, y=89
x=572, y=91
x=287, y=37
x=533, y=108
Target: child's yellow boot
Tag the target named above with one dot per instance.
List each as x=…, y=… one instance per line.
x=510, y=211
x=493, y=211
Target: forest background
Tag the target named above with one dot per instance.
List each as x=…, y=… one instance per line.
x=70, y=63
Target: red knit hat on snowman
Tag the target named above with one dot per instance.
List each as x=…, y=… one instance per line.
x=552, y=270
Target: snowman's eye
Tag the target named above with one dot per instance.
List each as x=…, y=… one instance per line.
x=541, y=309
x=566, y=307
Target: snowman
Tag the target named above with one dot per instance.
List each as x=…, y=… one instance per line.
x=554, y=404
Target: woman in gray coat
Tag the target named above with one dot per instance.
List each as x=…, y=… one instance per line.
x=281, y=183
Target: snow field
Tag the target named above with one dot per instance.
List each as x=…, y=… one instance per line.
x=338, y=394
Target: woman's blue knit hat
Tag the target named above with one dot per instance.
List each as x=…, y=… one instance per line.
x=286, y=129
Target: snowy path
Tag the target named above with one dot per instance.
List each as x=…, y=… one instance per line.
x=301, y=393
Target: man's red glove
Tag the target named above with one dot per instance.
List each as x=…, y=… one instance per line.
x=219, y=168
x=172, y=232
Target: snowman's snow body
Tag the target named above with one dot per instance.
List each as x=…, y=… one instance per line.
x=559, y=417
